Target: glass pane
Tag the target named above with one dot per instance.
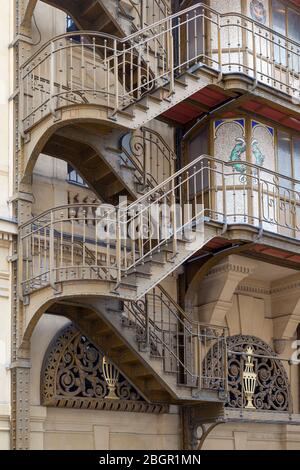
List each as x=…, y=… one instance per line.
x=294, y=33
x=284, y=158
x=297, y=161
x=294, y=25
x=279, y=25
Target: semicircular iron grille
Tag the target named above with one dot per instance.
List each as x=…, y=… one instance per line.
x=272, y=390
x=73, y=376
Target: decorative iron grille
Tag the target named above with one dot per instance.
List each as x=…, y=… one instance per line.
x=272, y=389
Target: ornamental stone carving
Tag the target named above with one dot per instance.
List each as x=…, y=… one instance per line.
x=272, y=390
x=77, y=374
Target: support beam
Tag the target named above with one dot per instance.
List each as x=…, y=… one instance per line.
x=26, y=21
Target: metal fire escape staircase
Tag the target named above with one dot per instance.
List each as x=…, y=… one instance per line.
x=136, y=78
x=145, y=332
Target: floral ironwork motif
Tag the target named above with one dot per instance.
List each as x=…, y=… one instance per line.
x=272, y=390
x=75, y=374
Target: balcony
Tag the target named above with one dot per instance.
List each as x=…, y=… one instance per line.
x=90, y=68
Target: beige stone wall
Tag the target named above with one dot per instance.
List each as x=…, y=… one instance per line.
x=49, y=22
x=51, y=187
x=62, y=429
x=253, y=437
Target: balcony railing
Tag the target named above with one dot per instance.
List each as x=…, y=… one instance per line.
x=103, y=70
x=88, y=241
x=164, y=328
x=150, y=155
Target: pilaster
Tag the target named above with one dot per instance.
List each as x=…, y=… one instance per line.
x=216, y=291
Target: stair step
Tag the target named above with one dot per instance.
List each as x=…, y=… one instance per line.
x=181, y=82
x=126, y=112
x=128, y=358
x=154, y=261
x=154, y=98
x=113, y=150
x=140, y=269
x=142, y=105
x=136, y=275
x=118, y=345
x=104, y=331
x=192, y=76
x=127, y=166
x=142, y=372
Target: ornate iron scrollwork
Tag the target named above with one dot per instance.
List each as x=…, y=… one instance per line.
x=75, y=374
x=272, y=390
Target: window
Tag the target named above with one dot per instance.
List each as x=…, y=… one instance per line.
x=286, y=21
x=71, y=26
x=74, y=177
x=288, y=160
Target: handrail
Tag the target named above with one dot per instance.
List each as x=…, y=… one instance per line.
x=166, y=182
x=174, y=16
x=274, y=198
x=117, y=72
x=165, y=329
x=142, y=153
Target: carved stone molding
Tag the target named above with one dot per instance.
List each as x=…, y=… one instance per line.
x=252, y=289
x=73, y=376
x=234, y=264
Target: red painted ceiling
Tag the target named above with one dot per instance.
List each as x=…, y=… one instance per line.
x=188, y=110
x=256, y=250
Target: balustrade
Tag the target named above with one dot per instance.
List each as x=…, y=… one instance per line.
x=56, y=245
x=90, y=67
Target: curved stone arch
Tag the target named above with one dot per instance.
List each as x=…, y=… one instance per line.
x=37, y=138
x=30, y=9
x=272, y=390
x=42, y=301
x=27, y=18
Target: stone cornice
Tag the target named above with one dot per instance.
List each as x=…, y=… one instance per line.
x=284, y=288
x=234, y=264
x=252, y=289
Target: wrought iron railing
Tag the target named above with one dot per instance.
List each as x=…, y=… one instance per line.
x=151, y=156
x=164, y=327
x=103, y=70
x=168, y=217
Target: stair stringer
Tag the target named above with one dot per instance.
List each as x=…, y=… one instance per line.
x=148, y=108
x=109, y=310
x=121, y=21
x=185, y=251
x=107, y=148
